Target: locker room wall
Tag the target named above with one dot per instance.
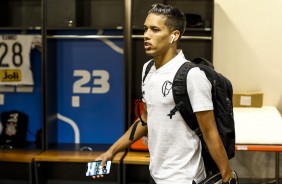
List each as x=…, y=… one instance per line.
x=247, y=49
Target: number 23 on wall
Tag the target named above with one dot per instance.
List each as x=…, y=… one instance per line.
x=95, y=82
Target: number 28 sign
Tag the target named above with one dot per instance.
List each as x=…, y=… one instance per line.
x=15, y=59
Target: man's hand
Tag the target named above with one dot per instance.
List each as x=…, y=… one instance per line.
x=104, y=158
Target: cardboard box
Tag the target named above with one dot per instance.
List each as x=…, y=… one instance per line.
x=251, y=99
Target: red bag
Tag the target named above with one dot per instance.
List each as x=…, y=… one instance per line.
x=138, y=145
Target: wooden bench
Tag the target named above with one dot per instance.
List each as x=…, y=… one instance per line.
x=140, y=158
x=71, y=165
x=17, y=164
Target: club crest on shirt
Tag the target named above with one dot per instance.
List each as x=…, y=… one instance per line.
x=167, y=85
x=12, y=124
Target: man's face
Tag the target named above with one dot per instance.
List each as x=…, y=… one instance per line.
x=156, y=35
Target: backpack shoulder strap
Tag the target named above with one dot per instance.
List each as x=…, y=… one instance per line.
x=206, y=66
x=202, y=61
x=181, y=98
x=147, y=70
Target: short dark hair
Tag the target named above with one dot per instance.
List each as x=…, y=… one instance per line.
x=175, y=18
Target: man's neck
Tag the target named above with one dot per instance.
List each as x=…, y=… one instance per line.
x=163, y=59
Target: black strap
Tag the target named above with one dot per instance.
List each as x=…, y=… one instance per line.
x=181, y=98
x=136, y=123
x=139, y=113
x=176, y=108
x=131, y=138
x=148, y=68
x=202, y=61
x=133, y=130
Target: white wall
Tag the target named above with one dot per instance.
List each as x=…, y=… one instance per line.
x=248, y=50
x=248, y=46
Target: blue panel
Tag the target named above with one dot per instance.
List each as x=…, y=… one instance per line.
x=99, y=116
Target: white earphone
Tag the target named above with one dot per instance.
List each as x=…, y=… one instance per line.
x=173, y=37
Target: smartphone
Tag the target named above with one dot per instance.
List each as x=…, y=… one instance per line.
x=93, y=168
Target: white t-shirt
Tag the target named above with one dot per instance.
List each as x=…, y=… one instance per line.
x=175, y=150
x=15, y=59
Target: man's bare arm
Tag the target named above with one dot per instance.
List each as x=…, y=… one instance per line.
x=123, y=142
x=211, y=136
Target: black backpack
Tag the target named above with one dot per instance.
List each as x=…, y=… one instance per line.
x=222, y=93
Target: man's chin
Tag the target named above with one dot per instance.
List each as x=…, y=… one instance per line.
x=149, y=53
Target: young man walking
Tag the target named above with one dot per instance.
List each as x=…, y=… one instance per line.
x=175, y=150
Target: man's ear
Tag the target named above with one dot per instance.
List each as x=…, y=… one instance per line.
x=175, y=36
